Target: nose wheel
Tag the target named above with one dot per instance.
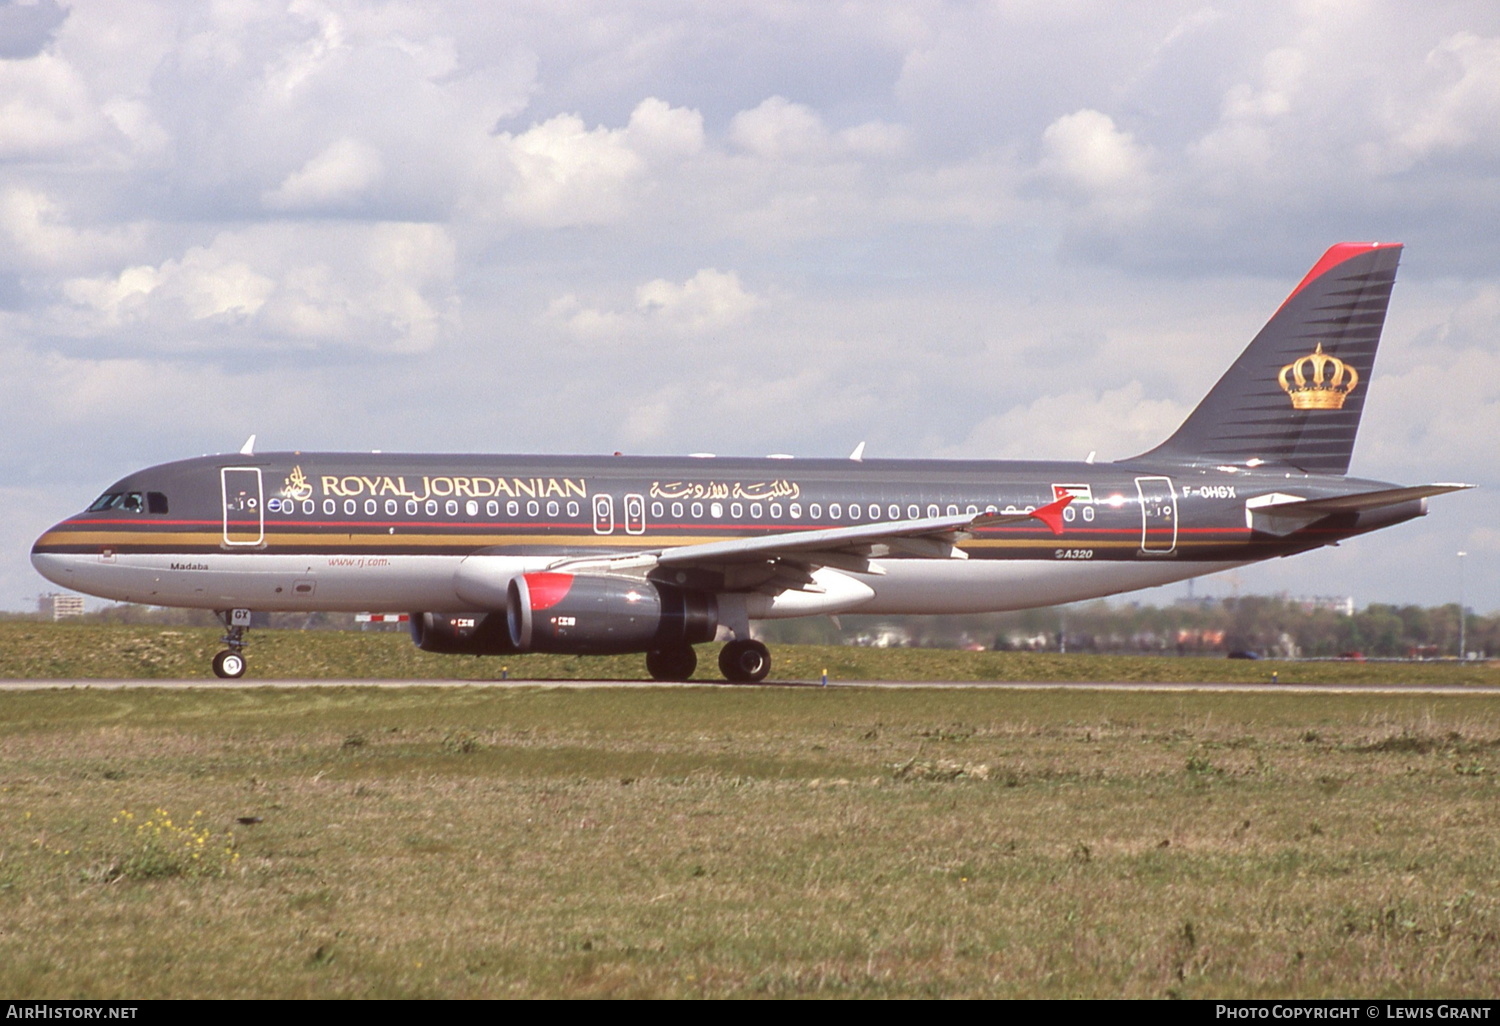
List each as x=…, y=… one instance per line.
x=230, y=663
x=745, y=661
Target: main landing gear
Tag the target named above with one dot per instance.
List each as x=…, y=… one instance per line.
x=230, y=663
x=741, y=662
x=744, y=661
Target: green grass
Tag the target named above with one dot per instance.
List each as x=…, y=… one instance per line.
x=695, y=841
x=44, y=650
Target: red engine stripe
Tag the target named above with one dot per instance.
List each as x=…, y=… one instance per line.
x=547, y=590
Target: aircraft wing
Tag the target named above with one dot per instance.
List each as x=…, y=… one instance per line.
x=848, y=548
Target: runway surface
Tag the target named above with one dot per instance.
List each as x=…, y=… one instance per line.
x=1281, y=689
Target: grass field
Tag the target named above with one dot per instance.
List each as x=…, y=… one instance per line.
x=46, y=650
x=740, y=841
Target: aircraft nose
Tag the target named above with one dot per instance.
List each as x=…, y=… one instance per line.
x=52, y=566
x=48, y=557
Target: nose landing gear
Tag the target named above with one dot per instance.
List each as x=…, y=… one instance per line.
x=230, y=663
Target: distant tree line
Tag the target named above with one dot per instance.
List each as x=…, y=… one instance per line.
x=1266, y=626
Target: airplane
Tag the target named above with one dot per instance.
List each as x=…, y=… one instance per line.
x=495, y=554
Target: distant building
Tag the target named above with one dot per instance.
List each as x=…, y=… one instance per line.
x=60, y=606
x=1342, y=605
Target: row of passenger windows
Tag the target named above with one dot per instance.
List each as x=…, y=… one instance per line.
x=432, y=508
x=677, y=510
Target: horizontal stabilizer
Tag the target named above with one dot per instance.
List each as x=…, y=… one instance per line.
x=1281, y=514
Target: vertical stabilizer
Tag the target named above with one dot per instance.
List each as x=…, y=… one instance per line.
x=1295, y=394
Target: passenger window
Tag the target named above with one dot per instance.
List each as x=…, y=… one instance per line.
x=755, y=511
x=330, y=507
x=716, y=510
x=815, y=511
x=697, y=510
x=552, y=508
x=853, y=511
x=471, y=508
x=350, y=507
x=834, y=511
x=512, y=508
x=309, y=507
x=775, y=511
x=411, y=507
x=492, y=508
x=370, y=507
x=874, y=511
x=736, y=510
x=972, y=509
x=451, y=507
x=657, y=510
x=573, y=509
x=432, y=507
x=796, y=511
x=952, y=510
x=893, y=511
x=533, y=508
x=932, y=510
x=677, y=509
x=390, y=507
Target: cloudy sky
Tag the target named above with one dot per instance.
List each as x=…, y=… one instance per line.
x=1023, y=228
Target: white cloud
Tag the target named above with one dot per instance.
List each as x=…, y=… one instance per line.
x=1116, y=423
x=1098, y=162
x=45, y=108
x=338, y=177
x=709, y=300
x=560, y=173
x=779, y=129
x=1458, y=109
x=39, y=237
x=380, y=286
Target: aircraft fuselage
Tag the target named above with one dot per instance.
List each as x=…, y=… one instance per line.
x=354, y=532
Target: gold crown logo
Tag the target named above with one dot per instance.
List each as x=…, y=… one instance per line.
x=1318, y=381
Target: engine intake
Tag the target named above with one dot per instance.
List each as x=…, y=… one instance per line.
x=473, y=634
x=593, y=614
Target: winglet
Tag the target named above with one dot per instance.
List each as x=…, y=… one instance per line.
x=248, y=449
x=859, y=453
x=1052, y=514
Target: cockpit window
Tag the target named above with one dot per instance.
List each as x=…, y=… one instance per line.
x=130, y=502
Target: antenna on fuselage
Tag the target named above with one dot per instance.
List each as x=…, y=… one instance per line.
x=859, y=453
x=248, y=449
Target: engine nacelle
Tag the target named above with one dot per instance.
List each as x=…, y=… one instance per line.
x=593, y=614
x=469, y=634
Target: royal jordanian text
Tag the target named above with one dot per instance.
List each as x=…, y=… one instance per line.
x=356, y=486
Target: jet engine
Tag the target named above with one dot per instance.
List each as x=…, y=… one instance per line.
x=471, y=634
x=595, y=614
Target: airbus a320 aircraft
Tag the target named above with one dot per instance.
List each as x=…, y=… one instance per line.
x=594, y=555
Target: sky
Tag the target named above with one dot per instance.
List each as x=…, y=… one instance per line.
x=1027, y=228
